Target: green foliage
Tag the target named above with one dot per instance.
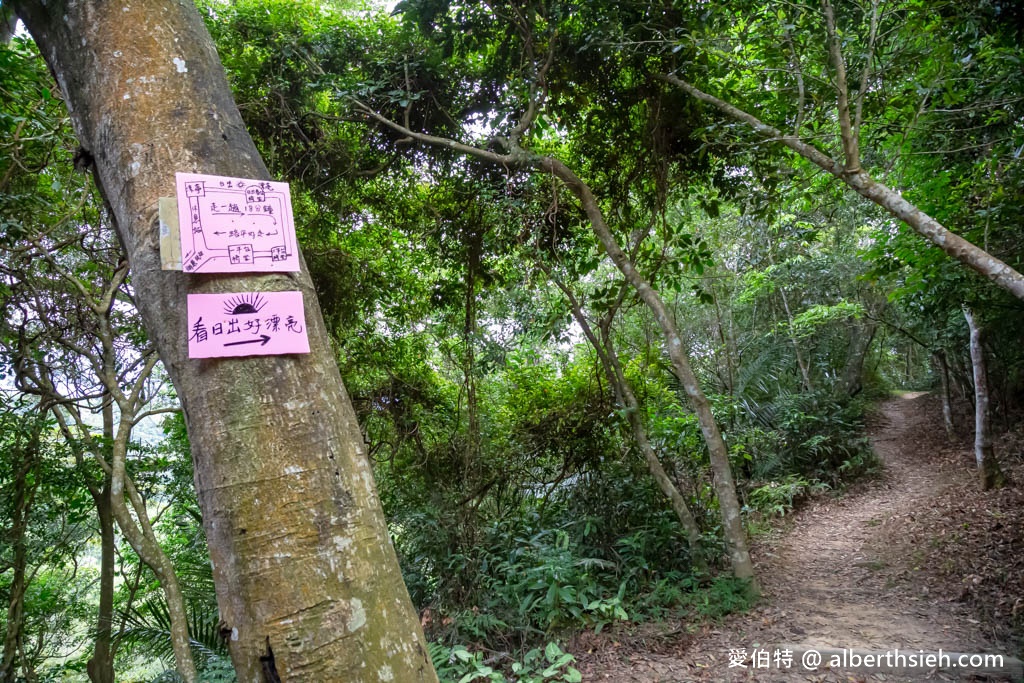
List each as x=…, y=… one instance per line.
x=551, y=664
x=548, y=665
x=531, y=579
x=777, y=498
x=807, y=322
x=217, y=670
x=148, y=630
x=511, y=482
x=810, y=438
x=45, y=524
x=724, y=596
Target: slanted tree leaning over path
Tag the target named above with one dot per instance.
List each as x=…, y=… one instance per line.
x=308, y=584
x=850, y=170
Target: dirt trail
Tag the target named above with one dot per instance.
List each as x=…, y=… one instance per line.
x=828, y=582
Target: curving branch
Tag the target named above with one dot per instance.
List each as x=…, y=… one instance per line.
x=955, y=246
x=724, y=483
x=627, y=400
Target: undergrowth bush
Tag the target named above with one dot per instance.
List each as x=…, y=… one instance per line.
x=777, y=498
x=598, y=545
x=809, y=437
x=548, y=665
x=538, y=573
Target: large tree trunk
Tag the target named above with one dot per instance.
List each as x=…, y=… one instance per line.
x=308, y=584
x=988, y=467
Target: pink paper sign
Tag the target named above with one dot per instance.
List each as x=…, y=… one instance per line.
x=246, y=324
x=233, y=225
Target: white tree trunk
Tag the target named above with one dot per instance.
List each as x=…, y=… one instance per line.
x=984, y=454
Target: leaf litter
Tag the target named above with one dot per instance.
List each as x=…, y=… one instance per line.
x=916, y=558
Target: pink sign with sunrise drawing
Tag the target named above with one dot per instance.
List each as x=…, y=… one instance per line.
x=246, y=324
x=235, y=225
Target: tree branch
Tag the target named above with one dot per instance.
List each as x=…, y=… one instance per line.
x=860, y=181
x=846, y=130
x=516, y=157
x=535, y=99
x=866, y=73
x=801, y=90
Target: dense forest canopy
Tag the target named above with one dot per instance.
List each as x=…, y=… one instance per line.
x=611, y=286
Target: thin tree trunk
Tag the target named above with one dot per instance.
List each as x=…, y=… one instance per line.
x=474, y=245
x=100, y=667
x=805, y=370
x=143, y=540
x=962, y=377
x=727, y=344
x=24, y=492
x=466, y=537
x=627, y=400
x=307, y=581
x=28, y=668
x=947, y=407
x=853, y=372
x=654, y=466
x=139, y=535
x=984, y=454
x=725, y=486
x=8, y=24
x=26, y=484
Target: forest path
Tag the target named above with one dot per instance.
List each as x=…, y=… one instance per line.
x=832, y=580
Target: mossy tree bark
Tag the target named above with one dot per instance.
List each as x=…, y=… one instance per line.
x=308, y=584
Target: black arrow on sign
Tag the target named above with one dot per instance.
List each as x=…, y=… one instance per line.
x=262, y=341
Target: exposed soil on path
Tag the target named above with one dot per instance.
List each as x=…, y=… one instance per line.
x=873, y=570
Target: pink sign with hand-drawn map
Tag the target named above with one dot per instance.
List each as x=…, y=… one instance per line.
x=235, y=225
x=246, y=324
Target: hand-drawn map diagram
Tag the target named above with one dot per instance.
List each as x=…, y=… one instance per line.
x=234, y=225
x=246, y=324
